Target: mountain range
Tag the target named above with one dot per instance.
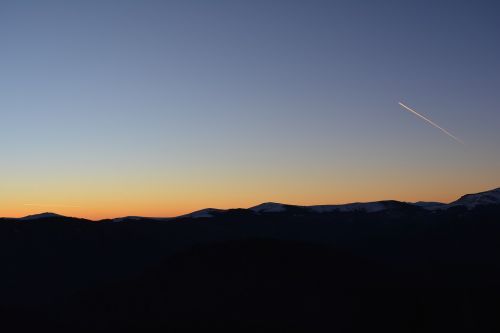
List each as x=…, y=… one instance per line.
x=389, y=265
x=469, y=201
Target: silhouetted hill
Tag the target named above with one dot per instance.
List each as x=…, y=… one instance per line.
x=389, y=265
x=468, y=201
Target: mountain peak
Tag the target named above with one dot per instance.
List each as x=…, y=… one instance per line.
x=479, y=199
x=40, y=216
x=269, y=207
x=203, y=213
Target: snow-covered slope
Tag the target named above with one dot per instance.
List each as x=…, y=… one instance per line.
x=204, y=213
x=470, y=201
x=269, y=207
x=479, y=199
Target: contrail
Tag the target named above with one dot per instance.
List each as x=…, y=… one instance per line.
x=431, y=122
x=51, y=206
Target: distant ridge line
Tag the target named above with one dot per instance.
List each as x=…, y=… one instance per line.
x=491, y=197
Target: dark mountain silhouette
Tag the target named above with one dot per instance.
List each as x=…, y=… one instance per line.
x=468, y=201
x=479, y=199
x=390, y=266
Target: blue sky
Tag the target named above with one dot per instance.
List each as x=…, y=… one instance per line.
x=163, y=106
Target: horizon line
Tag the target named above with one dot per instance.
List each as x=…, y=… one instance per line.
x=222, y=209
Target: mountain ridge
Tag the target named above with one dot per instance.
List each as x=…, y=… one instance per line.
x=142, y=274
x=469, y=201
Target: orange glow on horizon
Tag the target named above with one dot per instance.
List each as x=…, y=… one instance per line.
x=97, y=210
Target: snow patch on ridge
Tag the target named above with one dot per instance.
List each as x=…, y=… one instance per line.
x=204, y=213
x=479, y=199
x=269, y=207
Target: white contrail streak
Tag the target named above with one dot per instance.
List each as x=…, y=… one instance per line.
x=431, y=122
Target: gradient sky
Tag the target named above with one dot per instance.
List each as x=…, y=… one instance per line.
x=157, y=108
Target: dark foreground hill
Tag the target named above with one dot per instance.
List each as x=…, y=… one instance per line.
x=401, y=269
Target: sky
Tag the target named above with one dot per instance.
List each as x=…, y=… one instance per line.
x=157, y=108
